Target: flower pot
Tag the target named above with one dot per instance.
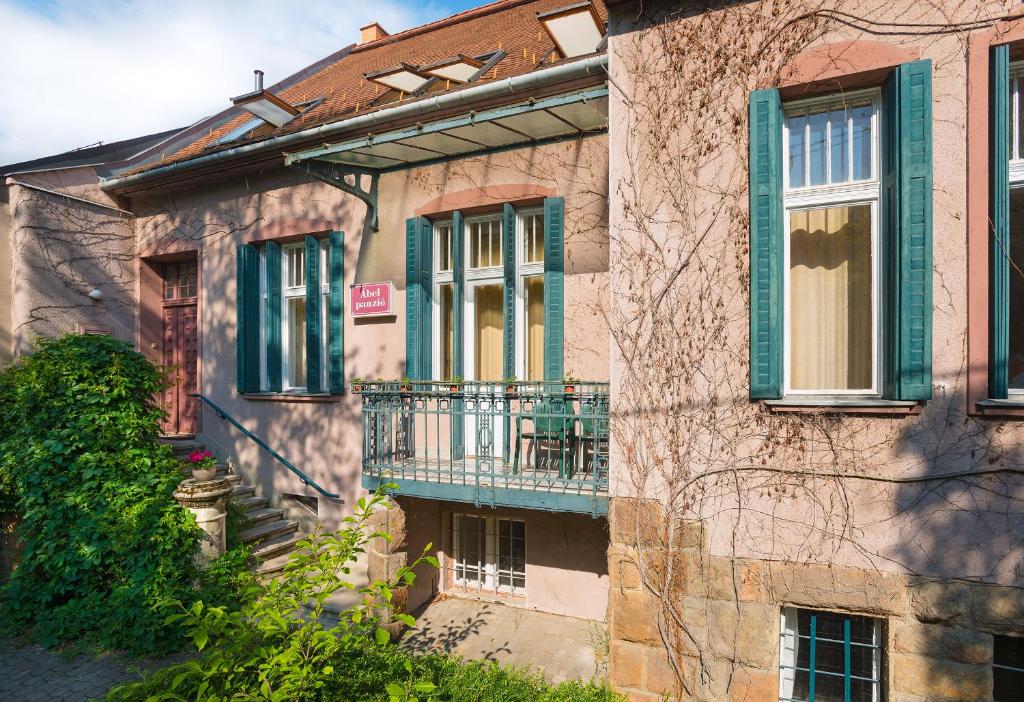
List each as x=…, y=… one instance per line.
x=203, y=475
x=405, y=388
x=570, y=389
x=357, y=388
x=510, y=389
x=453, y=388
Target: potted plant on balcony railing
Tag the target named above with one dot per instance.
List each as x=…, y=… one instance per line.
x=569, y=383
x=405, y=385
x=204, y=465
x=357, y=385
x=510, y=385
x=454, y=383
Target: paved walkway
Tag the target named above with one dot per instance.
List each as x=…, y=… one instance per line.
x=562, y=648
x=33, y=674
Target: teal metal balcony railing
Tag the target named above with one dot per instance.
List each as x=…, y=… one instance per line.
x=536, y=445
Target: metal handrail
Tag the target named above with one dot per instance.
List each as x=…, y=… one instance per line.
x=306, y=480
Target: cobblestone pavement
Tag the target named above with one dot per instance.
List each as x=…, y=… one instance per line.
x=563, y=648
x=33, y=674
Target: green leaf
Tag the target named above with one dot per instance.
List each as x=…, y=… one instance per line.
x=381, y=636
x=200, y=636
x=425, y=687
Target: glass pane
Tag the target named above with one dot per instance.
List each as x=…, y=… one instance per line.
x=474, y=246
x=817, y=151
x=1009, y=651
x=533, y=239
x=535, y=328
x=511, y=553
x=1006, y=685
x=863, y=691
x=1016, y=362
x=295, y=275
x=296, y=313
x=839, y=145
x=447, y=331
x=1016, y=84
x=830, y=300
x=444, y=248
x=471, y=556
x=170, y=279
x=495, y=242
x=828, y=688
x=797, y=144
x=861, y=152
x=489, y=326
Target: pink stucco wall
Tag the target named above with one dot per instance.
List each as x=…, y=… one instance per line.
x=962, y=528
x=566, y=562
x=324, y=438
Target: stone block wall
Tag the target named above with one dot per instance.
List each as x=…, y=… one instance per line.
x=721, y=618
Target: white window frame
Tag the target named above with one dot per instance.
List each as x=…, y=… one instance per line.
x=788, y=655
x=440, y=278
x=808, y=197
x=288, y=293
x=1016, y=149
x=489, y=566
x=524, y=270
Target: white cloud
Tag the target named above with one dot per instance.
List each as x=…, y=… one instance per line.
x=74, y=73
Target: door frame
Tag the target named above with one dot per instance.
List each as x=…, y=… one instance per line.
x=149, y=320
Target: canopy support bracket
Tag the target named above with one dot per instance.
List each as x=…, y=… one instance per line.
x=338, y=175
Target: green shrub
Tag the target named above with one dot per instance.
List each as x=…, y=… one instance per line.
x=104, y=539
x=278, y=648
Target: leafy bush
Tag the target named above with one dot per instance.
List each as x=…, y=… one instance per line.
x=278, y=648
x=104, y=539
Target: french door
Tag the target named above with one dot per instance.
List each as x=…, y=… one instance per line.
x=180, y=334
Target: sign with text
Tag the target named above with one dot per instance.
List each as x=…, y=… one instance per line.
x=370, y=300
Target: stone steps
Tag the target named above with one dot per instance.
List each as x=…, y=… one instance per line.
x=278, y=527
x=268, y=532
x=262, y=515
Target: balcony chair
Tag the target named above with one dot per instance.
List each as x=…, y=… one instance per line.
x=553, y=421
x=594, y=435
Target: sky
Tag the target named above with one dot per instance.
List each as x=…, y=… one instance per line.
x=76, y=72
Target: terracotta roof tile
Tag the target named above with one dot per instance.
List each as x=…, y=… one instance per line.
x=508, y=25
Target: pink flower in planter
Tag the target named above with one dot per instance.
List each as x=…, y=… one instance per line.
x=202, y=459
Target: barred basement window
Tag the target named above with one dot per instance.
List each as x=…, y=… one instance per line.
x=829, y=657
x=1007, y=668
x=489, y=553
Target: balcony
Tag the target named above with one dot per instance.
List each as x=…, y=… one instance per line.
x=535, y=445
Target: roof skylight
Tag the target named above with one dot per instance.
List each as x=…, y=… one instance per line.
x=265, y=105
x=402, y=77
x=458, y=68
x=577, y=30
x=241, y=130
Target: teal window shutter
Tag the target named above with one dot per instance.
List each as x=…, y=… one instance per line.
x=508, y=255
x=459, y=329
x=248, y=320
x=418, y=274
x=554, y=289
x=907, y=234
x=313, y=331
x=999, y=216
x=426, y=293
x=272, y=316
x=766, y=245
x=336, y=312
x=459, y=278
x=412, y=303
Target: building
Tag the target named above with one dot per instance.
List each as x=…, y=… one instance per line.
x=700, y=323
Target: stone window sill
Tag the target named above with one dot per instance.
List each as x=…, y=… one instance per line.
x=843, y=405
x=1001, y=408
x=290, y=397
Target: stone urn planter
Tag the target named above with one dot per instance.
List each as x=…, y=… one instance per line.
x=205, y=499
x=203, y=475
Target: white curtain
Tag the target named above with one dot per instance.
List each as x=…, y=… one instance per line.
x=830, y=299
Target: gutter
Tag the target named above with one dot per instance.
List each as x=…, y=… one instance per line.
x=461, y=98
x=57, y=193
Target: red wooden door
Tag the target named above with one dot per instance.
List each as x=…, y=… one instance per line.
x=180, y=347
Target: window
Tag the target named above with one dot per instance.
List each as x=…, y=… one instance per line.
x=1007, y=668
x=291, y=316
x=180, y=280
x=829, y=657
x=831, y=268
x=840, y=244
x=489, y=553
x=1015, y=253
x=485, y=295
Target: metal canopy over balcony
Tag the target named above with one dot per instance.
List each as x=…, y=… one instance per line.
x=535, y=121
x=535, y=445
